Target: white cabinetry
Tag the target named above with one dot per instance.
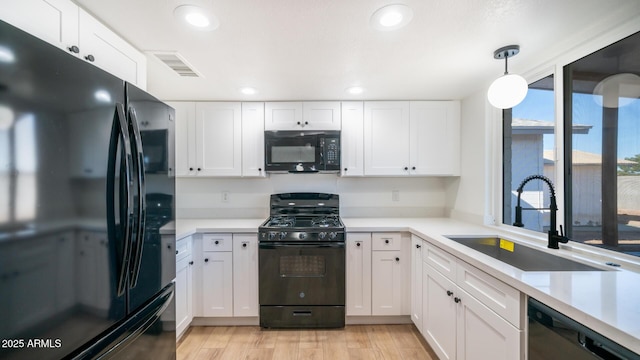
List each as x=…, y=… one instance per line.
x=63, y=24
x=245, y=275
x=253, y=139
x=218, y=139
x=217, y=275
x=411, y=138
x=184, y=285
x=377, y=274
x=358, y=272
x=468, y=314
x=352, y=139
x=416, y=281
x=310, y=115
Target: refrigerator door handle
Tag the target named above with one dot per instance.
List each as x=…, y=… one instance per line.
x=120, y=135
x=142, y=205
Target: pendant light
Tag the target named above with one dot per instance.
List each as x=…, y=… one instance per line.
x=508, y=90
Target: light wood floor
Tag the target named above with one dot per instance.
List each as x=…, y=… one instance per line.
x=353, y=342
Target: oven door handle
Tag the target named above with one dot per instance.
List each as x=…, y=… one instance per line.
x=315, y=245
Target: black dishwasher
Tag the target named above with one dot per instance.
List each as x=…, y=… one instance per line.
x=553, y=335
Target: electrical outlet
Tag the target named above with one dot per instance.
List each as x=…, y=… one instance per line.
x=395, y=195
x=225, y=196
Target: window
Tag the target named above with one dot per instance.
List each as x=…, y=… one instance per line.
x=528, y=143
x=602, y=147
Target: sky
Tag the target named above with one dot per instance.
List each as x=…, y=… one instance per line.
x=539, y=105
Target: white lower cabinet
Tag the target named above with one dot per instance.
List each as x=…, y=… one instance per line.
x=245, y=275
x=458, y=325
x=416, y=281
x=358, y=274
x=184, y=285
x=217, y=276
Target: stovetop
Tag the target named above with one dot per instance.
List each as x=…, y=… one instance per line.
x=311, y=222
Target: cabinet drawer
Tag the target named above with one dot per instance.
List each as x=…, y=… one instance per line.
x=493, y=293
x=183, y=248
x=216, y=242
x=385, y=241
x=440, y=260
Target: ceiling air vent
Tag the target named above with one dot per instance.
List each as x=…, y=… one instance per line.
x=176, y=62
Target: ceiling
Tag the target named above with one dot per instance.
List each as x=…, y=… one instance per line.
x=315, y=49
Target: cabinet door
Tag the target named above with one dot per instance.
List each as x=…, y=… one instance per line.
x=358, y=281
x=218, y=139
x=283, y=116
x=183, y=294
x=54, y=21
x=245, y=275
x=439, y=312
x=435, y=138
x=416, y=281
x=386, y=287
x=185, y=122
x=321, y=115
x=253, y=139
x=386, y=138
x=483, y=334
x=105, y=49
x=217, y=284
x=352, y=138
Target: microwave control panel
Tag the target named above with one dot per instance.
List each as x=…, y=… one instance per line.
x=331, y=148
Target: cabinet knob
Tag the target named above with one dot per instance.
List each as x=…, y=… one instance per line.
x=90, y=58
x=216, y=242
x=73, y=49
x=418, y=246
x=358, y=244
x=244, y=245
x=259, y=169
x=406, y=168
x=345, y=169
x=386, y=241
x=397, y=259
x=206, y=260
x=190, y=169
x=190, y=262
x=177, y=252
x=298, y=122
x=457, y=300
x=449, y=292
x=306, y=123
x=413, y=168
x=199, y=169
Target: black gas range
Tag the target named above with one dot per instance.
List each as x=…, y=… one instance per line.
x=302, y=262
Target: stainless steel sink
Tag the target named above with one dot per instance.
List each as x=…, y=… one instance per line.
x=523, y=257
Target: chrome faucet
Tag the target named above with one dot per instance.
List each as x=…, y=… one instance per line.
x=554, y=237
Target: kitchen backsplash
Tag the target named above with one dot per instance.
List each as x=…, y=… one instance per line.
x=359, y=197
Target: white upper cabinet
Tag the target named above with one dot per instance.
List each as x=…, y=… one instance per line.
x=386, y=137
x=54, y=21
x=435, y=138
x=419, y=138
x=218, y=139
x=185, y=137
x=104, y=48
x=253, y=139
x=311, y=115
x=65, y=25
x=352, y=140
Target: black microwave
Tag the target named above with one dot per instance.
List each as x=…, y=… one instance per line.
x=302, y=151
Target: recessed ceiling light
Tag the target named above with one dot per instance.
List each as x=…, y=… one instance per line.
x=391, y=17
x=248, y=91
x=355, y=90
x=196, y=17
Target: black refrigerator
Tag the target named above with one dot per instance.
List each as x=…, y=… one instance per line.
x=87, y=266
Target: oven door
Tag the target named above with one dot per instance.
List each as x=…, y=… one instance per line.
x=302, y=274
x=292, y=151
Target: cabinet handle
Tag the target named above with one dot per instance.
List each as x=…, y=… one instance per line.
x=90, y=58
x=199, y=169
x=73, y=49
x=244, y=245
x=298, y=122
x=190, y=169
x=216, y=242
x=406, y=168
x=457, y=300
x=206, y=260
x=190, y=262
x=386, y=241
x=418, y=246
x=413, y=168
x=449, y=292
x=260, y=169
x=306, y=123
x=397, y=259
x=358, y=244
x=345, y=169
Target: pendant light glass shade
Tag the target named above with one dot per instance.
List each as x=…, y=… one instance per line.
x=507, y=91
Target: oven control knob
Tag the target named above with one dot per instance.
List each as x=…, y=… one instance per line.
x=272, y=236
x=283, y=235
x=332, y=235
x=302, y=236
x=322, y=235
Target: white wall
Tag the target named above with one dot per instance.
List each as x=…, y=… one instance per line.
x=359, y=197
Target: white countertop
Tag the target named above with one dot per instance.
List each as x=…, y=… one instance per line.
x=605, y=301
